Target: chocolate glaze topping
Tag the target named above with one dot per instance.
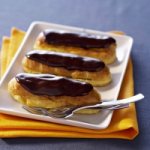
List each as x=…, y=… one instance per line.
x=68, y=61
x=82, y=40
x=51, y=85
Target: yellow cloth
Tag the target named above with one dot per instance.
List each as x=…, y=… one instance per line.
x=123, y=125
x=4, y=50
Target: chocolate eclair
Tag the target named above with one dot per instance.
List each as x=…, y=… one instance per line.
x=87, y=69
x=50, y=91
x=100, y=47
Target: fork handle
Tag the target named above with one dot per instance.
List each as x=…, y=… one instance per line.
x=116, y=102
x=123, y=101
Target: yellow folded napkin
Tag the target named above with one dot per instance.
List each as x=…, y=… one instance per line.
x=4, y=49
x=123, y=125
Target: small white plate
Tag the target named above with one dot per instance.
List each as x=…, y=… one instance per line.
x=110, y=92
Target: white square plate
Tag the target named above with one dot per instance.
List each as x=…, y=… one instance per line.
x=110, y=92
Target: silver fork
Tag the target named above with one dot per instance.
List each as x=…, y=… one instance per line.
x=66, y=112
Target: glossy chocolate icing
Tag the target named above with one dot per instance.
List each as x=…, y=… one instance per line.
x=68, y=61
x=51, y=85
x=82, y=40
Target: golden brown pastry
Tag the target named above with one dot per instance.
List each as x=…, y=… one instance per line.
x=49, y=91
x=101, y=47
x=87, y=69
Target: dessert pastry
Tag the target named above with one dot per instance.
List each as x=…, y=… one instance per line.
x=87, y=69
x=50, y=91
x=101, y=47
